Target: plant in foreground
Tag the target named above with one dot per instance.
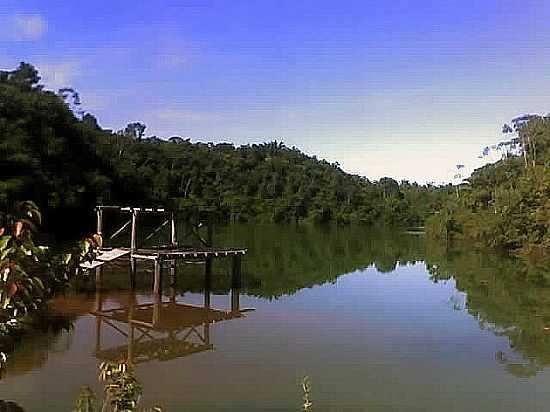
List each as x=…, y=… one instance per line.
x=306, y=388
x=122, y=391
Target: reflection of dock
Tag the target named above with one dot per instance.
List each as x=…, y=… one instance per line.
x=160, y=330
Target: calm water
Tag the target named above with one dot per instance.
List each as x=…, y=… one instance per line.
x=378, y=321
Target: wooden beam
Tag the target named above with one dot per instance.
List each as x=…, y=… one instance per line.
x=157, y=285
x=236, y=272
x=99, y=215
x=133, y=241
x=173, y=235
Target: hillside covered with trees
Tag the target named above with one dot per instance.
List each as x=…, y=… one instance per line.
x=506, y=204
x=58, y=156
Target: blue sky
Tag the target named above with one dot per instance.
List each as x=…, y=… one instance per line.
x=406, y=89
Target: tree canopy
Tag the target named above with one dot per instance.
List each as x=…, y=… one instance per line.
x=57, y=155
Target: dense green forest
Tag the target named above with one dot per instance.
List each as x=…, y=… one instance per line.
x=55, y=154
x=506, y=204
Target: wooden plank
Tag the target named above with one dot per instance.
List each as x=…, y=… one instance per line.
x=108, y=255
x=146, y=257
x=91, y=265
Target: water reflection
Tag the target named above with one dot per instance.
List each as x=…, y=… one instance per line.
x=456, y=321
x=159, y=330
x=509, y=297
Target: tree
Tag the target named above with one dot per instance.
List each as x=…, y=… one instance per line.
x=135, y=130
x=25, y=77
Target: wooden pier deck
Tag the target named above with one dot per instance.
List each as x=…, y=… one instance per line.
x=189, y=252
x=161, y=255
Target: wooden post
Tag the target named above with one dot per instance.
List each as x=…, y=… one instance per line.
x=173, y=273
x=206, y=333
x=133, y=241
x=172, y=294
x=156, y=309
x=236, y=272
x=133, y=272
x=131, y=307
x=98, y=277
x=99, y=228
x=207, y=288
x=173, y=235
x=157, y=285
x=98, y=307
x=208, y=268
x=235, y=300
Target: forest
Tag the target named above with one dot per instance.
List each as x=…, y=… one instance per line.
x=505, y=204
x=58, y=156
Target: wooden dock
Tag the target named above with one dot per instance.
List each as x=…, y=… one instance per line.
x=161, y=255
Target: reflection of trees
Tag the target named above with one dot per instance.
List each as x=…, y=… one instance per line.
x=509, y=297
x=283, y=261
x=34, y=348
x=8, y=406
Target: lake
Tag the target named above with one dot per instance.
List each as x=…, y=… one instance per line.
x=378, y=321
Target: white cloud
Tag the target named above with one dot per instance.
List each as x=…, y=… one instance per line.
x=23, y=27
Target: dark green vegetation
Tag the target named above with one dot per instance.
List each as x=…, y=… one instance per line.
x=30, y=274
x=505, y=205
x=56, y=155
x=283, y=259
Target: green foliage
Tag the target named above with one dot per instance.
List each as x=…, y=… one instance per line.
x=506, y=204
x=122, y=391
x=67, y=163
x=306, y=388
x=30, y=274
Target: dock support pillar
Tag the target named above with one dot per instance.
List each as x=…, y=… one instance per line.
x=98, y=277
x=157, y=285
x=133, y=241
x=173, y=235
x=133, y=272
x=236, y=272
x=99, y=214
x=98, y=307
x=207, y=291
x=173, y=278
x=235, y=300
x=131, y=334
x=156, y=309
x=208, y=268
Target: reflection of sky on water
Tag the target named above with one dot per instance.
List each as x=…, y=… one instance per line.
x=370, y=340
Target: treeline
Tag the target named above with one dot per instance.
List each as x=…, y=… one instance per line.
x=506, y=204
x=59, y=156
